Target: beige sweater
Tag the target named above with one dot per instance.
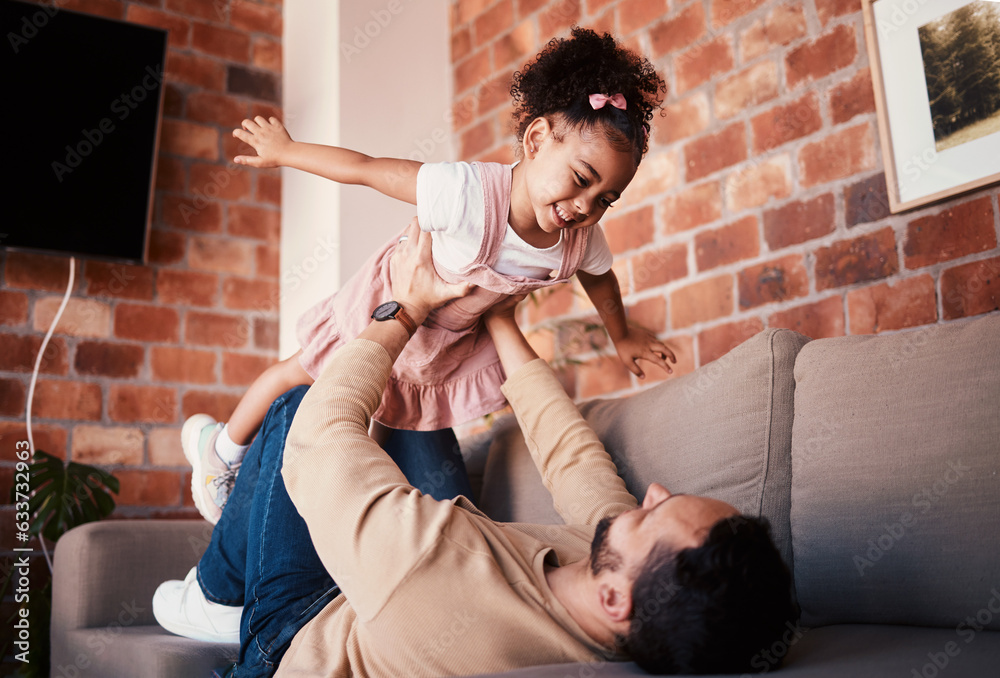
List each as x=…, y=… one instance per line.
x=435, y=588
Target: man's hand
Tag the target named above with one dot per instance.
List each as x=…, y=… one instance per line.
x=268, y=137
x=639, y=344
x=414, y=282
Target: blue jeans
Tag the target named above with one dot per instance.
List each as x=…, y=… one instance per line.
x=260, y=555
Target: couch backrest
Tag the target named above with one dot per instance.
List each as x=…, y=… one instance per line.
x=895, y=513
x=723, y=431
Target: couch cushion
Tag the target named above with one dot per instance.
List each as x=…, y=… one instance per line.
x=896, y=476
x=722, y=431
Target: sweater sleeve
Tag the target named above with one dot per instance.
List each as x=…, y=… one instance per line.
x=572, y=461
x=368, y=525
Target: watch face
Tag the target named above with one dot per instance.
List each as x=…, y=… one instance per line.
x=386, y=310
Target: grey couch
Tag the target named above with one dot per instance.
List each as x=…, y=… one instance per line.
x=876, y=460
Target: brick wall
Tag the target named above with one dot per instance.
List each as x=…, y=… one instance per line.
x=762, y=200
x=139, y=348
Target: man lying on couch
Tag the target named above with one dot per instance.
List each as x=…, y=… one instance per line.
x=431, y=588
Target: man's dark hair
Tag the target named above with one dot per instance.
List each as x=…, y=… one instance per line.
x=714, y=607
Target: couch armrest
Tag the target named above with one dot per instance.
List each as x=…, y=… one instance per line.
x=105, y=573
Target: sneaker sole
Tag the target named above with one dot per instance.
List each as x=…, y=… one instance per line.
x=190, y=434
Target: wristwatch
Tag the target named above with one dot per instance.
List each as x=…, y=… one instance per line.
x=393, y=309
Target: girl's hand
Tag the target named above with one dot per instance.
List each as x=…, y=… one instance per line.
x=268, y=137
x=505, y=307
x=639, y=344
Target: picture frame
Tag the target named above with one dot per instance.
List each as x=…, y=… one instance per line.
x=940, y=147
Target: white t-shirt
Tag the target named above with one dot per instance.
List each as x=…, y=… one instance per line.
x=450, y=207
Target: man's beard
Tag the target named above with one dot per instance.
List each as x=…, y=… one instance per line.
x=602, y=556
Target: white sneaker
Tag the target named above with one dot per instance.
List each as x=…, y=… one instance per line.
x=181, y=607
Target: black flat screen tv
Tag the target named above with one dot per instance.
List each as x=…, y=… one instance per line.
x=81, y=114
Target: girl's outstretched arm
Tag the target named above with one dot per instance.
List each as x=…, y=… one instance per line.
x=631, y=343
x=275, y=148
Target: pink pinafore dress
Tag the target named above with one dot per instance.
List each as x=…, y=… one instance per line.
x=449, y=373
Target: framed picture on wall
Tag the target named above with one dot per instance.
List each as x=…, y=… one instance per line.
x=936, y=74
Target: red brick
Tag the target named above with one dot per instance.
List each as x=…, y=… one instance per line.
x=657, y=267
x=829, y=9
x=773, y=281
x=716, y=342
x=255, y=222
x=250, y=294
x=868, y=257
x=269, y=189
x=629, y=231
x=265, y=334
x=711, y=153
x=166, y=247
x=170, y=173
x=733, y=242
x=496, y=94
x=216, y=108
x=20, y=351
x=461, y=45
x=853, y=97
x=701, y=301
x=186, y=365
x=907, y=303
x=960, y=230
x=223, y=255
x=218, y=405
x=559, y=16
x=783, y=25
x=189, y=139
x=256, y=18
x=866, y=201
x=681, y=119
x=799, y=221
x=759, y=182
x=221, y=42
x=66, y=400
x=179, y=28
x=703, y=62
x=118, y=280
x=51, y=439
x=130, y=403
x=841, y=154
x=198, y=8
x=209, y=181
x=472, y=71
x=785, y=123
x=477, y=139
x=492, y=22
x=267, y=110
x=817, y=320
x=13, y=308
x=213, y=329
x=726, y=11
x=266, y=54
x=657, y=173
x=526, y=7
x=107, y=445
x=191, y=69
x=751, y=87
x=12, y=398
x=548, y=303
x=173, y=100
x=970, y=289
x=36, y=271
x=187, y=288
x=146, y=487
x=241, y=369
x=516, y=46
x=821, y=57
x=82, y=317
x=650, y=314
x=634, y=15
x=601, y=376
x=184, y=212
x=268, y=261
x=692, y=207
x=105, y=359
x=165, y=448
x=146, y=323
x=678, y=32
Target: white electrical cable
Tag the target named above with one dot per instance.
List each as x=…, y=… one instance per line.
x=34, y=378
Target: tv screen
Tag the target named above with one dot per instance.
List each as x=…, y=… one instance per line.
x=82, y=102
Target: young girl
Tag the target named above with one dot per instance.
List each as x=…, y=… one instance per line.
x=582, y=110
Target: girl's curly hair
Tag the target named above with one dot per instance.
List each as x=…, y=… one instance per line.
x=559, y=82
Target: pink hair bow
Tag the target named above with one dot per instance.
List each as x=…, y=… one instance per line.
x=616, y=100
